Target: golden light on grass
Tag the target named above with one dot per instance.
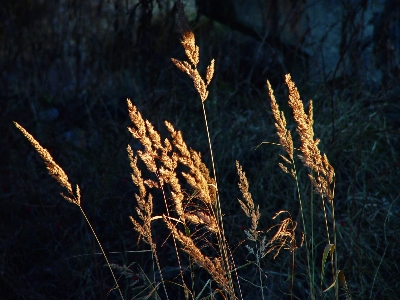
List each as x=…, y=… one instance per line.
x=311, y=155
x=192, y=53
x=285, y=236
x=54, y=169
x=247, y=204
x=193, y=214
x=213, y=267
x=285, y=137
x=190, y=68
x=162, y=159
x=167, y=158
x=58, y=174
x=320, y=172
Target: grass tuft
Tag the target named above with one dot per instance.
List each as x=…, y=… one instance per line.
x=177, y=192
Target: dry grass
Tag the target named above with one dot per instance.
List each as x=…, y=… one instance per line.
x=58, y=174
x=168, y=172
x=201, y=210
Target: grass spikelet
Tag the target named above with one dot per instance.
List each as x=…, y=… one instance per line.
x=58, y=173
x=198, y=209
x=192, y=53
x=198, y=176
x=213, y=267
x=247, y=205
x=285, y=137
x=145, y=207
x=54, y=169
x=321, y=174
x=311, y=155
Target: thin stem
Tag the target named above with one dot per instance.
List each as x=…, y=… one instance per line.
x=221, y=234
x=335, y=252
x=154, y=253
x=310, y=273
x=259, y=269
x=312, y=231
x=292, y=281
x=334, y=237
x=155, y=250
x=102, y=250
x=217, y=205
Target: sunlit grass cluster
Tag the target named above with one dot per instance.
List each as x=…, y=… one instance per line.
x=167, y=171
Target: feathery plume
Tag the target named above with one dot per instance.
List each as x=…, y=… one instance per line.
x=247, y=205
x=54, y=169
x=192, y=53
x=284, y=134
x=311, y=155
x=213, y=267
x=145, y=207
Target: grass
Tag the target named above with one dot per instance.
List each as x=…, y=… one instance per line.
x=201, y=213
x=192, y=217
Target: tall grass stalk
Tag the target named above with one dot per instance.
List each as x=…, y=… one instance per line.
x=190, y=68
x=73, y=196
x=321, y=174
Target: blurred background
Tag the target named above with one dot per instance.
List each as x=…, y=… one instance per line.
x=66, y=69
